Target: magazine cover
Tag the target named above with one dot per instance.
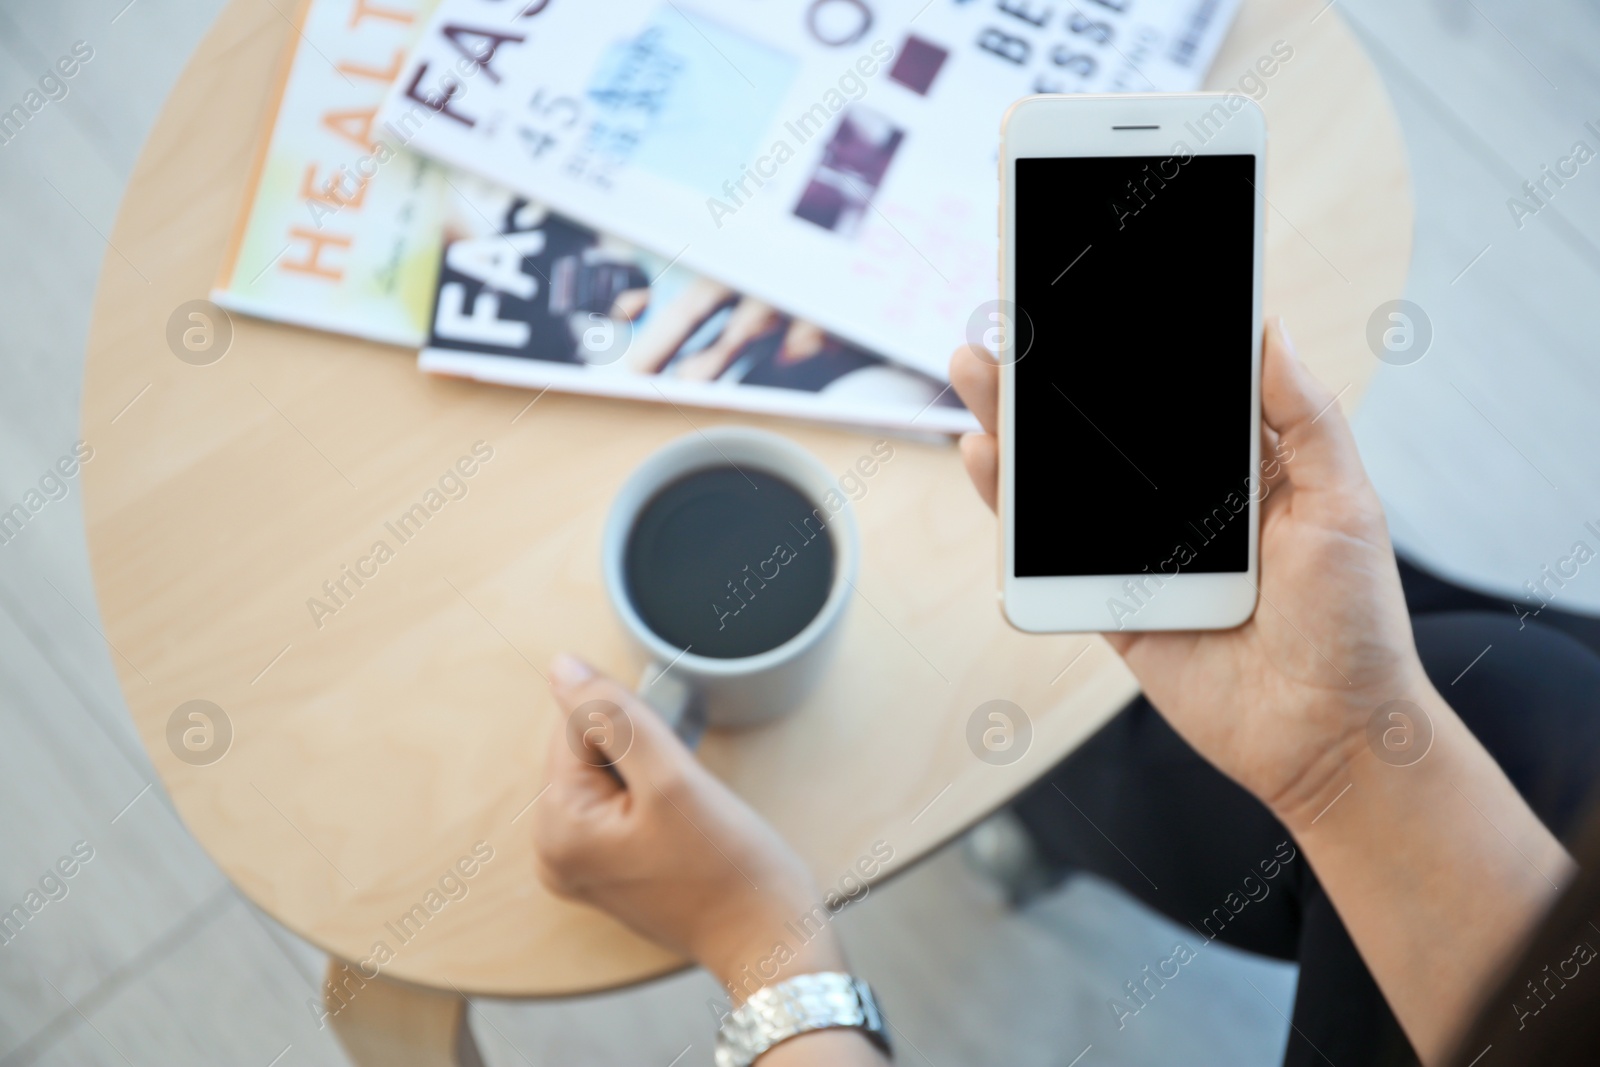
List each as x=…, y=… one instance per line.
x=526, y=297
x=833, y=157
x=342, y=228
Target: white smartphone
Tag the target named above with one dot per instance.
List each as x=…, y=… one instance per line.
x=1129, y=345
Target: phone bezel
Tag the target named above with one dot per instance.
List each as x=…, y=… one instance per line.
x=1153, y=124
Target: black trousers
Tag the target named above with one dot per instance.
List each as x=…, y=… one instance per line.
x=1138, y=806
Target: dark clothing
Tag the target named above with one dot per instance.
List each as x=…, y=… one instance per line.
x=1545, y=1008
x=1428, y=594
x=1195, y=846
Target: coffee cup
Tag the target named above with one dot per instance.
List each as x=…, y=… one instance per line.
x=729, y=574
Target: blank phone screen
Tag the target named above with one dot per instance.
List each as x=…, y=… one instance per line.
x=1134, y=283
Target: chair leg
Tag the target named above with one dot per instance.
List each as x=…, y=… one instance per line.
x=383, y=1023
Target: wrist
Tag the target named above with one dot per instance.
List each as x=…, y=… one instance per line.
x=1376, y=744
x=749, y=955
x=1435, y=863
x=1431, y=790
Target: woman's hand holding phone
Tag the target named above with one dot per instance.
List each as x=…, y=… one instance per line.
x=1282, y=704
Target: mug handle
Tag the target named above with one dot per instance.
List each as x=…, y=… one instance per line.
x=674, y=700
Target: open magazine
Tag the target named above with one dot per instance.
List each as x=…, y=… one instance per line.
x=833, y=157
x=345, y=230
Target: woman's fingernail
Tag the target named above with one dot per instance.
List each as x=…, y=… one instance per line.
x=1288, y=341
x=569, y=670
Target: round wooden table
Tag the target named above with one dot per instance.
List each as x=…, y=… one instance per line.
x=374, y=749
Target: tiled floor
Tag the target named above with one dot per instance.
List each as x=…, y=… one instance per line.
x=1486, y=452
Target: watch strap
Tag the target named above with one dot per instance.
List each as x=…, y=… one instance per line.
x=825, y=1000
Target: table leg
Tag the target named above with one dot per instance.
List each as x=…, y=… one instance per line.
x=382, y=1023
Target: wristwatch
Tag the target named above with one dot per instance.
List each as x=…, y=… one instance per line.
x=806, y=1002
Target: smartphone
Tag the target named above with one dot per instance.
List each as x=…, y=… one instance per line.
x=1128, y=339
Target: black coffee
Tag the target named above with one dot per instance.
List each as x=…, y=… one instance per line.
x=728, y=562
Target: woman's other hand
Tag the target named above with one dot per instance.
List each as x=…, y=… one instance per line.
x=635, y=826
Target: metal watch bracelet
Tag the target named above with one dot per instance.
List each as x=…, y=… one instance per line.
x=822, y=1001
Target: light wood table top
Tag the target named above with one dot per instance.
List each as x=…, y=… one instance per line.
x=371, y=754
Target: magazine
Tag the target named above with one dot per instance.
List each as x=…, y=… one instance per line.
x=347, y=231
x=341, y=230
x=833, y=157
x=526, y=297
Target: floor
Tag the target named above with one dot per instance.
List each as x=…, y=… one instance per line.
x=1484, y=451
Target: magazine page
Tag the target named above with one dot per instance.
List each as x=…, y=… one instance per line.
x=526, y=297
x=833, y=157
x=342, y=228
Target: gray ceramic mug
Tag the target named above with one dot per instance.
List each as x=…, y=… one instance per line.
x=746, y=690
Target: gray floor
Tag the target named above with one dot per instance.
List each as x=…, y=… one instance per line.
x=1485, y=451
